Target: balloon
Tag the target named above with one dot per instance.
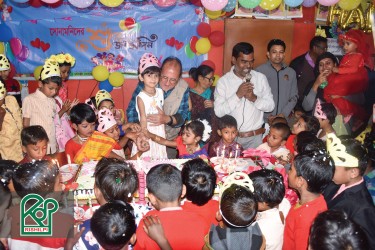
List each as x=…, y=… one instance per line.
x=37, y=71
x=164, y=3
x=209, y=63
x=15, y=45
x=249, y=4
x=230, y=5
x=50, y=1
x=24, y=54
x=2, y=48
x=270, y=4
x=349, y=4
x=204, y=29
x=9, y=53
x=5, y=33
x=214, y=5
x=193, y=43
x=203, y=45
x=81, y=4
x=328, y=2
x=293, y=3
x=196, y=3
x=100, y=73
x=111, y=3
x=116, y=79
x=189, y=53
x=36, y=3
x=217, y=38
x=217, y=77
x=105, y=85
x=19, y=1
x=309, y=3
x=57, y=4
x=213, y=14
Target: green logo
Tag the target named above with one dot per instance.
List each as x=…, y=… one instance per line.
x=37, y=219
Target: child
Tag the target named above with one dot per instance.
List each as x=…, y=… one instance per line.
x=113, y=225
x=297, y=112
x=42, y=178
x=200, y=180
x=277, y=137
x=88, y=144
x=188, y=144
x=334, y=230
x=236, y=214
x=10, y=126
x=309, y=175
x=66, y=62
x=149, y=101
x=34, y=144
x=272, y=206
x=350, y=194
x=6, y=187
x=13, y=87
x=306, y=141
x=326, y=114
x=183, y=229
x=351, y=76
x=227, y=145
x=39, y=108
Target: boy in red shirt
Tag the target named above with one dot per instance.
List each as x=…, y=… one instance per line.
x=309, y=175
x=183, y=229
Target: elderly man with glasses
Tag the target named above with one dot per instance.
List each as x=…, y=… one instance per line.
x=176, y=101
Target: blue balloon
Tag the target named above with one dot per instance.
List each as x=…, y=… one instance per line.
x=230, y=6
x=8, y=52
x=105, y=85
x=293, y=3
x=5, y=33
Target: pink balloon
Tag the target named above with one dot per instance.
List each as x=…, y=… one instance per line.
x=214, y=5
x=328, y=2
x=24, y=54
x=50, y=1
x=164, y=3
x=308, y=3
x=81, y=3
x=15, y=45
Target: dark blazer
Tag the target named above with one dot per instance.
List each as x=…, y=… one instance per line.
x=357, y=203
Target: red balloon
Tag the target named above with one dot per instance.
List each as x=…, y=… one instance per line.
x=204, y=29
x=196, y=3
x=210, y=64
x=217, y=38
x=36, y=3
x=193, y=43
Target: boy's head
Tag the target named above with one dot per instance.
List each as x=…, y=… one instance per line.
x=38, y=177
x=238, y=207
x=279, y=133
x=50, y=78
x=326, y=113
x=306, y=141
x=306, y=123
x=228, y=128
x=113, y=225
x=278, y=119
x=311, y=171
x=114, y=180
x=107, y=124
x=200, y=180
x=34, y=142
x=269, y=189
x=4, y=67
x=164, y=184
x=83, y=119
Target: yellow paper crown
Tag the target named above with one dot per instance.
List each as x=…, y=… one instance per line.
x=4, y=62
x=361, y=137
x=64, y=58
x=102, y=95
x=237, y=178
x=3, y=90
x=50, y=68
x=338, y=152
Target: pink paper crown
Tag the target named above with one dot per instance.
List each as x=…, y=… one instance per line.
x=318, y=113
x=147, y=60
x=106, y=120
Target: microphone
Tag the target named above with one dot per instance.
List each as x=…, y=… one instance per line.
x=248, y=77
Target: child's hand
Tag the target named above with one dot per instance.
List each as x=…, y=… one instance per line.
x=66, y=106
x=142, y=145
x=71, y=241
x=135, y=127
x=131, y=135
x=335, y=70
x=154, y=229
x=208, y=104
x=73, y=103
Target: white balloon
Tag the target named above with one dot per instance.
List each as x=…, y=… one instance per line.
x=81, y=3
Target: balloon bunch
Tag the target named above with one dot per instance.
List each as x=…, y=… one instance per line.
x=12, y=46
x=107, y=80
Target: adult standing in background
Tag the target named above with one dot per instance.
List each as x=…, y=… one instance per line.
x=244, y=94
x=304, y=64
x=281, y=78
x=176, y=101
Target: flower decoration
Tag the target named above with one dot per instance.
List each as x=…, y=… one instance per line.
x=207, y=130
x=64, y=58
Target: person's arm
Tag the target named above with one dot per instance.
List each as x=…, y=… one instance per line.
x=154, y=229
x=224, y=104
x=142, y=113
x=182, y=114
x=131, y=112
x=161, y=140
x=293, y=97
x=262, y=90
x=350, y=64
x=26, y=122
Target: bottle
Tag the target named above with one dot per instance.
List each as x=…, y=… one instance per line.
x=323, y=85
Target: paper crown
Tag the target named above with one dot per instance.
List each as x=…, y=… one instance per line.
x=338, y=152
x=3, y=91
x=64, y=58
x=237, y=178
x=4, y=62
x=106, y=120
x=147, y=60
x=91, y=104
x=102, y=95
x=50, y=68
x=318, y=113
x=361, y=137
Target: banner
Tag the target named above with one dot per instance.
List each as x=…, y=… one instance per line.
x=98, y=35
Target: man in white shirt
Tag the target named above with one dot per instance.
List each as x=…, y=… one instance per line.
x=244, y=94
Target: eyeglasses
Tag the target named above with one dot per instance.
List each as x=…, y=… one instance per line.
x=211, y=79
x=321, y=47
x=171, y=80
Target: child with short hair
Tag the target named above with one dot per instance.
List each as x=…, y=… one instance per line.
x=227, y=146
x=34, y=144
x=183, y=229
x=188, y=146
x=309, y=175
x=39, y=108
x=277, y=137
x=326, y=114
x=13, y=87
x=269, y=191
x=200, y=180
x=306, y=141
x=349, y=193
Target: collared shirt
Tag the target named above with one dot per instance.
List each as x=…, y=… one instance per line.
x=310, y=60
x=249, y=115
x=343, y=187
x=183, y=110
